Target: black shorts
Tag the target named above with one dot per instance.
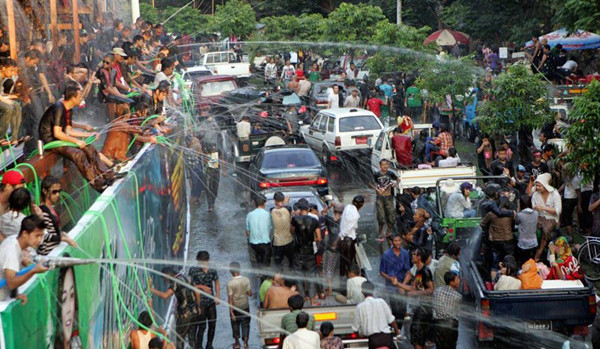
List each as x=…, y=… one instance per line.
x=421, y=325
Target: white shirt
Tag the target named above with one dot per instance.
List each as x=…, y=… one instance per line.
x=270, y=71
x=10, y=223
x=553, y=202
x=10, y=258
x=456, y=204
x=372, y=316
x=334, y=100
x=354, y=293
x=351, y=102
x=243, y=129
x=293, y=57
x=570, y=64
x=302, y=339
x=351, y=74
x=349, y=222
x=160, y=76
x=449, y=162
x=571, y=187
x=507, y=283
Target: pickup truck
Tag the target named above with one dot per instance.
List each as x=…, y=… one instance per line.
x=342, y=316
x=565, y=306
x=383, y=145
x=225, y=63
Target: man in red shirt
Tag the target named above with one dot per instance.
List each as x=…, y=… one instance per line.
x=374, y=103
x=445, y=140
x=402, y=147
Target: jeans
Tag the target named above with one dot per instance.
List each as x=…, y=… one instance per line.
x=242, y=321
x=186, y=330
x=208, y=316
x=88, y=163
x=263, y=254
x=305, y=265
x=280, y=252
x=11, y=114
x=469, y=212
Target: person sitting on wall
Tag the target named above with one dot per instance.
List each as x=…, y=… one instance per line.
x=56, y=125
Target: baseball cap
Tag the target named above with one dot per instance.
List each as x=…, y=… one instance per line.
x=119, y=51
x=13, y=177
x=521, y=168
x=466, y=185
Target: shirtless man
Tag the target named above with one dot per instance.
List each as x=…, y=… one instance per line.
x=278, y=294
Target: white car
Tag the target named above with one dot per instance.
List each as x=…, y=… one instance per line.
x=336, y=132
x=195, y=72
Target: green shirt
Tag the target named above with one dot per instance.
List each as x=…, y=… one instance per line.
x=413, y=97
x=288, y=322
x=314, y=76
x=264, y=287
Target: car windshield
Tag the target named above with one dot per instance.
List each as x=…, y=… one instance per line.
x=289, y=158
x=216, y=88
x=197, y=74
x=359, y=123
x=292, y=99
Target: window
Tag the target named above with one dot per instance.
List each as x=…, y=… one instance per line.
x=289, y=158
x=315, y=123
x=224, y=57
x=331, y=125
x=323, y=125
x=359, y=123
x=232, y=58
x=379, y=142
x=210, y=58
x=216, y=88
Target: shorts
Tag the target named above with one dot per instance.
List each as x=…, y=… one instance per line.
x=386, y=212
x=420, y=328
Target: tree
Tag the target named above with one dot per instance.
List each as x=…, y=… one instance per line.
x=236, y=17
x=582, y=137
x=352, y=23
x=187, y=21
x=518, y=103
x=293, y=28
x=578, y=14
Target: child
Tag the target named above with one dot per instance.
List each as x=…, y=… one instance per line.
x=238, y=291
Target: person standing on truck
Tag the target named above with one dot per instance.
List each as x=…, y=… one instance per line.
x=547, y=202
x=373, y=319
x=385, y=210
x=402, y=148
x=306, y=231
x=348, y=226
x=395, y=262
x=446, y=308
x=238, y=291
x=302, y=338
x=207, y=280
x=258, y=231
x=500, y=234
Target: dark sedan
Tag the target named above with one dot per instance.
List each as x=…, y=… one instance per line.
x=283, y=166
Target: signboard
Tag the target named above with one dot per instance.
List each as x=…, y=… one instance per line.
x=503, y=52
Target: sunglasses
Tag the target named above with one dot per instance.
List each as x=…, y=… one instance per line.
x=105, y=62
x=54, y=192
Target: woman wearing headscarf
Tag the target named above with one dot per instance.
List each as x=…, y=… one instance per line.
x=546, y=200
x=564, y=266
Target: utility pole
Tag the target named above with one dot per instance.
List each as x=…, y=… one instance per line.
x=12, y=32
x=398, y=12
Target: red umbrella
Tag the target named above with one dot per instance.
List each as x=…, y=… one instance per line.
x=447, y=37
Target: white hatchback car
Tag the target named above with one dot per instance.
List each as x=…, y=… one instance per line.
x=336, y=132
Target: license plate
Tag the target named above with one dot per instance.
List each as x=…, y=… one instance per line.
x=539, y=326
x=361, y=140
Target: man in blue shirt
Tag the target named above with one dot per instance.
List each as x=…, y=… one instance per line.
x=258, y=231
x=395, y=262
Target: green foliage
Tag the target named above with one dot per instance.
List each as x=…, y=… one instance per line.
x=293, y=28
x=352, y=23
x=236, y=17
x=518, y=102
x=188, y=21
x=447, y=77
x=582, y=136
x=578, y=14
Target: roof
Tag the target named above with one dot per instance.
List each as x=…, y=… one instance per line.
x=212, y=78
x=287, y=146
x=344, y=112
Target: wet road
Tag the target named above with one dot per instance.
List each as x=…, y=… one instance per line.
x=222, y=233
